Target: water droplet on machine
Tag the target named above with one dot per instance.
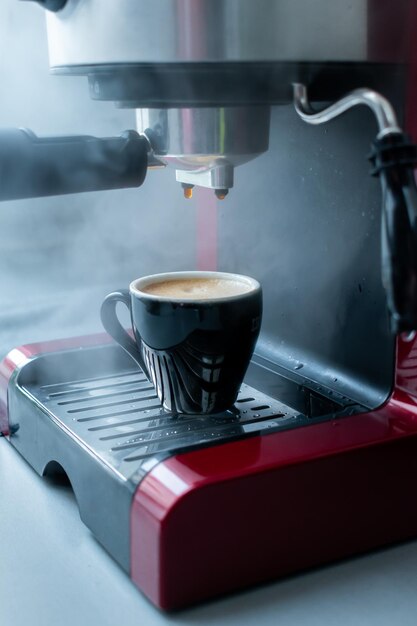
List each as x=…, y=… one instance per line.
x=299, y=366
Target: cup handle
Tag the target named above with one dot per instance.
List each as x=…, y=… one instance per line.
x=112, y=325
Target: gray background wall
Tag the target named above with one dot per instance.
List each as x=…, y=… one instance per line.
x=59, y=256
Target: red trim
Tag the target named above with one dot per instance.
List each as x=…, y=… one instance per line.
x=18, y=356
x=213, y=520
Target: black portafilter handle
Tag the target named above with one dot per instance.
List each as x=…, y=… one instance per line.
x=32, y=167
x=394, y=158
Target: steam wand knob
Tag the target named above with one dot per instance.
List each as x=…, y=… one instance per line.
x=394, y=158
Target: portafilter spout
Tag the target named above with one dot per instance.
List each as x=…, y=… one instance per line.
x=205, y=144
x=394, y=158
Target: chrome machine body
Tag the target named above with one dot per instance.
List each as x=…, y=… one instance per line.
x=165, y=58
x=206, y=31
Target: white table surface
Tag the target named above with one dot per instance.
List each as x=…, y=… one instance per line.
x=54, y=573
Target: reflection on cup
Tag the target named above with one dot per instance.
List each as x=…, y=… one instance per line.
x=194, y=335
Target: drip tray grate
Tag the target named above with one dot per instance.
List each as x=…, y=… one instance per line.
x=119, y=418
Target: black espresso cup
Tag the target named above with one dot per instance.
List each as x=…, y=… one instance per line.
x=194, y=335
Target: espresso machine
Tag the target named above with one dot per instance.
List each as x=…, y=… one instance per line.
x=317, y=460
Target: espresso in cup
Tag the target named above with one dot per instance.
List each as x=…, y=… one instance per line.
x=197, y=288
x=194, y=335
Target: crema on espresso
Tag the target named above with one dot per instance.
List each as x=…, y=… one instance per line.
x=197, y=288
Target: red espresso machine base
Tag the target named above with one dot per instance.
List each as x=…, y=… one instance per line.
x=194, y=507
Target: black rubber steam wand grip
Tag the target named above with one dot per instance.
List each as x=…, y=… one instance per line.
x=32, y=167
x=394, y=158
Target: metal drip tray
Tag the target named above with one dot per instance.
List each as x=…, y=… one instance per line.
x=91, y=413
x=116, y=413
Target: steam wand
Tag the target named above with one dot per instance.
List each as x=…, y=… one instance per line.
x=393, y=158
